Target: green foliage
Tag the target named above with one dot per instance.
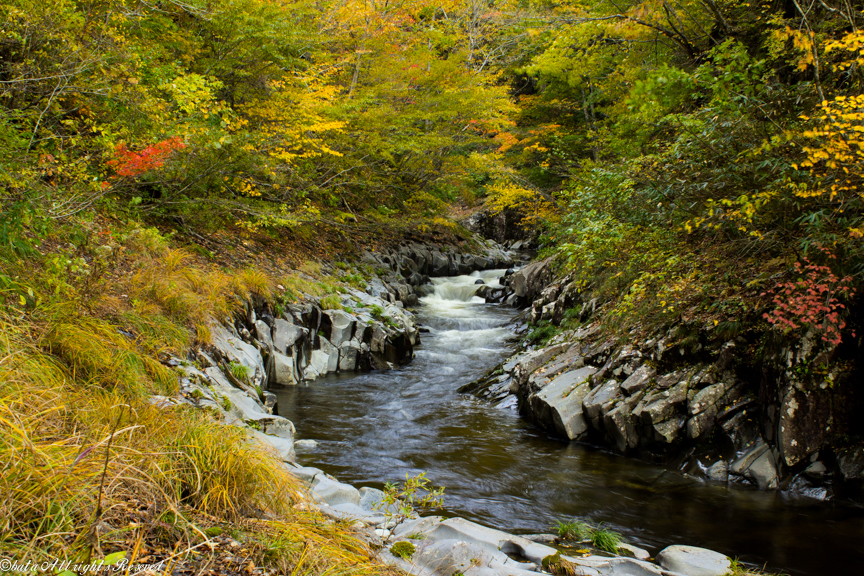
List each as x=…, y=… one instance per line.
x=416, y=494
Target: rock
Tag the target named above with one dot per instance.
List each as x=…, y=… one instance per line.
x=638, y=380
x=283, y=372
x=306, y=444
x=692, y=561
x=662, y=405
x=235, y=350
x=262, y=333
x=817, y=470
x=718, y=472
x=634, y=551
x=530, y=280
x=283, y=447
x=348, y=356
x=701, y=424
x=561, y=403
x=668, y=430
x=341, y=326
x=285, y=335
x=305, y=473
x=334, y=492
x=600, y=399
x=851, y=463
x=621, y=423
x=332, y=353
x=479, y=281
x=706, y=398
x=758, y=464
x=488, y=538
x=319, y=361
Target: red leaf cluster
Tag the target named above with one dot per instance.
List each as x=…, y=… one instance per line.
x=812, y=301
x=127, y=163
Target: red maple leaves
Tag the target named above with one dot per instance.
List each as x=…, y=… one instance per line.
x=128, y=164
x=812, y=301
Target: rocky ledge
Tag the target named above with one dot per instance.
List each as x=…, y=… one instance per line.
x=683, y=397
x=438, y=546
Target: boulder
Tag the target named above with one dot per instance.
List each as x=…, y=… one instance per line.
x=334, y=492
x=758, y=464
x=318, y=364
x=559, y=404
x=530, y=280
x=639, y=379
x=262, y=333
x=348, y=356
x=341, y=326
x=285, y=335
x=693, y=561
x=283, y=373
x=600, y=399
x=332, y=353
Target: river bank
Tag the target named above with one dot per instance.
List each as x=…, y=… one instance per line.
x=297, y=378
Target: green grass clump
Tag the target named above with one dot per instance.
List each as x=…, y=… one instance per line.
x=332, y=302
x=573, y=530
x=606, y=540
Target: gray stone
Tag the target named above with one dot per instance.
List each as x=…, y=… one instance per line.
x=559, y=403
x=235, y=350
x=669, y=430
x=341, y=326
x=851, y=463
x=285, y=335
x=693, y=561
x=332, y=353
x=600, y=399
x=318, y=363
x=635, y=551
x=719, y=471
x=262, y=333
x=699, y=425
x=764, y=471
x=283, y=447
x=283, y=370
x=621, y=423
x=662, y=405
x=639, y=379
x=348, y=355
x=706, y=398
x=334, y=492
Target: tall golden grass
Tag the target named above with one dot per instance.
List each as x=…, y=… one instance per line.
x=89, y=466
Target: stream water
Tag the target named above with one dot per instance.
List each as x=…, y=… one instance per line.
x=502, y=472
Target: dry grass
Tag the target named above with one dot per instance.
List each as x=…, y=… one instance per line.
x=89, y=466
x=168, y=474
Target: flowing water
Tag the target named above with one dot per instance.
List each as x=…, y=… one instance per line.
x=500, y=471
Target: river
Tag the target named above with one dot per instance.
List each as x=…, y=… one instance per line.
x=500, y=471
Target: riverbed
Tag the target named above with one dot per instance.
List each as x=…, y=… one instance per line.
x=500, y=471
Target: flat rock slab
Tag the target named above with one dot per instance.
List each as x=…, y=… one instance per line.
x=693, y=561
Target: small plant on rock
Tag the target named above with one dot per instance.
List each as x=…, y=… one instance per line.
x=239, y=371
x=401, y=501
x=403, y=550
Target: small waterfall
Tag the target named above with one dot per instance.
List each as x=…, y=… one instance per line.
x=453, y=305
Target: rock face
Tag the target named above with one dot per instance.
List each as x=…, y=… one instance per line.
x=695, y=400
